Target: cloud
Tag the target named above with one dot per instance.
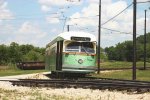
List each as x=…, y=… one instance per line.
x=54, y=30
x=27, y=33
x=52, y=19
x=45, y=8
x=28, y=28
x=85, y=17
x=92, y=10
x=123, y=22
x=53, y=2
x=5, y=13
x=31, y=29
x=46, y=5
x=50, y=5
x=107, y=12
x=59, y=2
x=103, y=2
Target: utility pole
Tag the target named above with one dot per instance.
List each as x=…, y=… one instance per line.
x=99, y=37
x=64, y=24
x=68, y=28
x=134, y=41
x=145, y=42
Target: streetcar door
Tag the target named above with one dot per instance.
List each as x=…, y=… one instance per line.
x=59, y=55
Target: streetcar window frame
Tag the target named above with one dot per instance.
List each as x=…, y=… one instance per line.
x=81, y=47
x=87, y=47
x=72, y=49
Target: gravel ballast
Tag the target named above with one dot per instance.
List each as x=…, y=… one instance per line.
x=10, y=92
x=7, y=91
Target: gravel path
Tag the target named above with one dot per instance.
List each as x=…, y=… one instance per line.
x=9, y=92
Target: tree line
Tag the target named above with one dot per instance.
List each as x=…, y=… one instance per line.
x=121, y=52
x=124, y=51
x=16, y=53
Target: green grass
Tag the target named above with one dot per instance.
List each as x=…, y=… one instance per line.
x=18, y=72
x=126, y=74
x=119, y=64
x=13, y=70
x=142, y=75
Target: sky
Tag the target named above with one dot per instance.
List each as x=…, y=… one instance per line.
x=37, y=22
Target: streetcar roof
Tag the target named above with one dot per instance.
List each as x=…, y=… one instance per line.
x=68, y=35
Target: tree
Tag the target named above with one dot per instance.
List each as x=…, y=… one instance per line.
x=14, y=53
x=3, y=54
x=111, y=53
x=26, y=48
x=33, y=56
x=124, y=51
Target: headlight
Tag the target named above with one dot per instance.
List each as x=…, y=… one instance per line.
x=80, y=61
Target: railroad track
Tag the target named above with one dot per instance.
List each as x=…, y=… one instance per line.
x=130, y=86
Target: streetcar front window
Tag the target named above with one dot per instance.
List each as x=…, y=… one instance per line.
x=73, y=47
x=87, y=47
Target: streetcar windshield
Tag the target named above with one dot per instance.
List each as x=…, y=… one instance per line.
x=73, y=46
x=87, y=47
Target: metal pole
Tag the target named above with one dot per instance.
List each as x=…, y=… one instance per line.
x=99, y=36
x=68, y=28
x=64, y=24
x=134, y=40
x=145, y=42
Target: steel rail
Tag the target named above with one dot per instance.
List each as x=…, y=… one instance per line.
x=98, y=80
x=93, y=84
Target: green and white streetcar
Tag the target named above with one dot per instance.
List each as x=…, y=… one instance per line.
x=72, y=52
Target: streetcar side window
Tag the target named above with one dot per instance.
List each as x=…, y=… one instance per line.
x=73, y=47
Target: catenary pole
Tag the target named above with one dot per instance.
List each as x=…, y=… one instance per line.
x=68, y=28
x=99, y=37
x=134, y=41
x=145, y=42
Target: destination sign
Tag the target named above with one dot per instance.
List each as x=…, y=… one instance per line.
x=80, y=38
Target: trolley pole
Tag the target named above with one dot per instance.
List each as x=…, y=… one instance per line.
x=145, y=42
x=68, y=28
x=99, y=37
x=134, y=41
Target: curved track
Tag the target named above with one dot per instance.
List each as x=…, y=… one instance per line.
x=138, y=86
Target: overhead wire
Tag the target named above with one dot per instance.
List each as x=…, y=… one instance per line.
x=117, y=14
x=118, y=31
x=144, y=2
x=115, y=30
x=85, y=28
x=49, y=17
x=88, y=17
x=83, y=17
x=113, y=17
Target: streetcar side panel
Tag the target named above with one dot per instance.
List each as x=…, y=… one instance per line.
x=51, y=53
